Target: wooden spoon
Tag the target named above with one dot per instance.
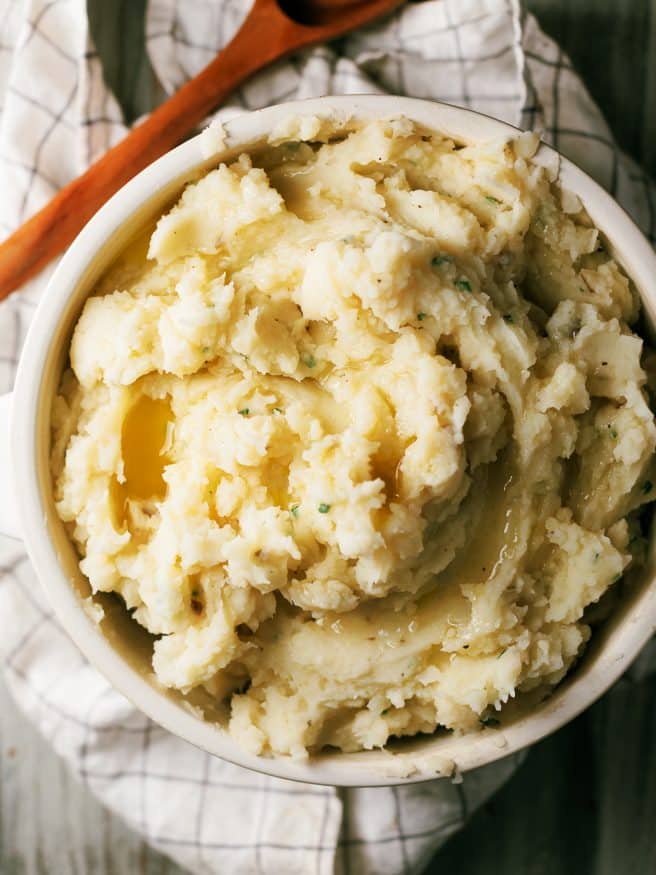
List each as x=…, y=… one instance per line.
x=271, y=30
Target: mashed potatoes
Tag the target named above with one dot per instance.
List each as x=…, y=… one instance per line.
x=360, y=436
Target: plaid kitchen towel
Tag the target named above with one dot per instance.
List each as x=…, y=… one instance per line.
x=57, y=115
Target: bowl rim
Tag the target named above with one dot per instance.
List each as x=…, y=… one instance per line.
x=370, y=768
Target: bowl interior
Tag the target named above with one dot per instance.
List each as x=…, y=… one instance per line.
x=121, y=648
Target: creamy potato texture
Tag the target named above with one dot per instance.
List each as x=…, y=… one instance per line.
x=358, y=434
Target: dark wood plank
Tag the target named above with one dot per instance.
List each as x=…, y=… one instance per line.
x=612, y=44
x=648, y=151
x=583, y=803
x=623, y=730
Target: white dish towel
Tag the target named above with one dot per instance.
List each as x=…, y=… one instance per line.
x=57, y=115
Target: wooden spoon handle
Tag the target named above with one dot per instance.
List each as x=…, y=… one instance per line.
x=264, y=36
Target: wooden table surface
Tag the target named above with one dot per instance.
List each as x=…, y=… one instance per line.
x=584, y=802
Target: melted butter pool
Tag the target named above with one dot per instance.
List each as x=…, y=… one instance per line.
x=144, y=439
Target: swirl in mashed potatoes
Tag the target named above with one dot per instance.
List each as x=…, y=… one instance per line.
x=361, y=434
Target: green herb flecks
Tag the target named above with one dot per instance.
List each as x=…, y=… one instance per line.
x=492, y=200
x=294, y=511
x=438, y=260
x=277, y=410
x=464, y=285
x=613, y=432
x=245, y=411
x=508, y=317
x=490, y=721
x=421, y=316
x=309, y=361
x=323, y=507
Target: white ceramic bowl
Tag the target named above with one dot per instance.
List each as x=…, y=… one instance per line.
x=118, y=648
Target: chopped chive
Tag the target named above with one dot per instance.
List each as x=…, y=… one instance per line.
x=492, y=200
x=490, y=721
x=294, y=511
x=647, y=487
x=508, y=317
x=206, y=349
x=596, y=556
x=437, y=260
x=244, y=411
x=277, y=410
x=384, y=711
x=309, y=361
x=464, y=285
x=421, y=316
x=323, y=507
x=613, y=433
